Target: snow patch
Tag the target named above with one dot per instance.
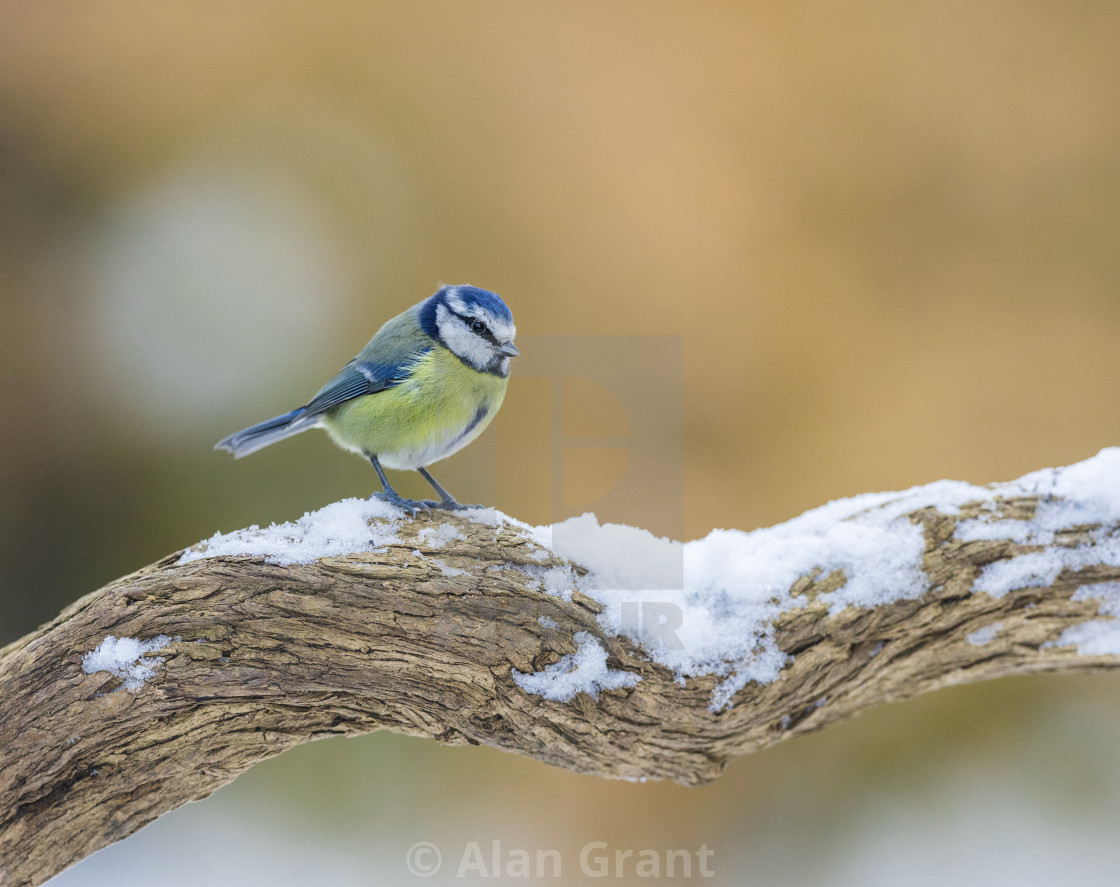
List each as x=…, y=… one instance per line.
x=1084, y=494
x=126, y=658
x=984, y=635
x=447, y=569
x=1098, y=636
x=340, y=528
x=716, y=599
x=438, y=537
x=584, y=671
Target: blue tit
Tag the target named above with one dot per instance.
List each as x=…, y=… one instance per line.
x=421, y=389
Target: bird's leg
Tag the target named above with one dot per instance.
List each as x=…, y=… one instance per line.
x=412, y=506
x=448, y=502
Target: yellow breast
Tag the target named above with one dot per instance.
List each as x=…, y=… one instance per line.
x=438, y=410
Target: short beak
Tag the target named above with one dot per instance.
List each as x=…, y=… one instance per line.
x=509, y=350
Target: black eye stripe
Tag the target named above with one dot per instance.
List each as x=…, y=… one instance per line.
x=484, y=332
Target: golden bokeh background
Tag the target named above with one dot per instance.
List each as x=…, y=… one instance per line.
x=884, y=236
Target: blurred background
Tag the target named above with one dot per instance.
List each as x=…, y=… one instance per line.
x=886, y=237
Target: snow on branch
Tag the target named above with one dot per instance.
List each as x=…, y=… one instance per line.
x=599, y=648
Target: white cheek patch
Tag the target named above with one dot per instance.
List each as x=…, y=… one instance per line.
x=474, y=350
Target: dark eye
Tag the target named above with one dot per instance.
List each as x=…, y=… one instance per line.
x=478, y=326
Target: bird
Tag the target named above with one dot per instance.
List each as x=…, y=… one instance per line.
x=427, y=384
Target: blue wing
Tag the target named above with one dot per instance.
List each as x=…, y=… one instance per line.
x=358, y=378
x=386, y=360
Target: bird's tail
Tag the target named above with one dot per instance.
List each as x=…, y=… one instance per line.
x=255, y=437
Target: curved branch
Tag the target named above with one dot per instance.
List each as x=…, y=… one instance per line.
x=424, y=639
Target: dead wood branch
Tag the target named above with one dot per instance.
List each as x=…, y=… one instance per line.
x=266, y=657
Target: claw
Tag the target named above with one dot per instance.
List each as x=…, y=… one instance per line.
x=411, y=506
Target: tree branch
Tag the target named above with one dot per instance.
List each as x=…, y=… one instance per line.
x=261, y=657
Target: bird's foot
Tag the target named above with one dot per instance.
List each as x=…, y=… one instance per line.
x=412, y=506
x=450, y=504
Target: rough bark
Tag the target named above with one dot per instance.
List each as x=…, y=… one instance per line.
x=267, y=657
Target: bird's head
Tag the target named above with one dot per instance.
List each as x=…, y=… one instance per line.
x=474, y=324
